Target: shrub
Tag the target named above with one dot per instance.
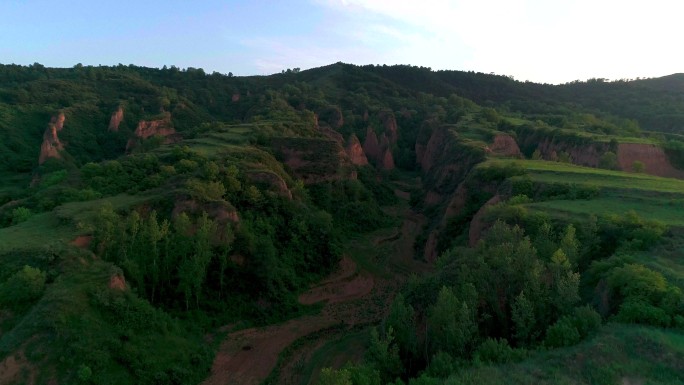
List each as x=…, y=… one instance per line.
x=23, y=287
x=641, y=312
x=586, y=320
x=441, y=366
x=493, y=351
x=609, y=161
x=638, y=166
x=562, y=333
x=20, y=214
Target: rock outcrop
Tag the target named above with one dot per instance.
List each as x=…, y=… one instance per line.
x=433, y=148
x=355, y=151
x=378, y=153
x=51, y=145
x=588, y=155
x=272, y=180
x=457, y=202
x=371, y=146
x=388, y=160
x=117, y=282
x=430, y=252
x=478, y=224
x=389, y=123
x=314, y=159
x=504, y=145
x=115, y=120
x=654, y=159
x=148, y=128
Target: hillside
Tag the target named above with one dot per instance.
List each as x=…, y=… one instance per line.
x=345, y=224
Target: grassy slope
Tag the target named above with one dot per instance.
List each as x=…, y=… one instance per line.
x=61, y=225
x=617, y=354
x=545, y=171
x=649, y=196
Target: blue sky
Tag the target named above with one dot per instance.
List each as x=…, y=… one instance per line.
x=540, y=40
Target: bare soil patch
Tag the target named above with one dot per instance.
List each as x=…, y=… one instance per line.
x=82, y=241
x=248, y=356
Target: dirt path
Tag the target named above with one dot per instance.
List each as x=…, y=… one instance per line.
x=248, y=356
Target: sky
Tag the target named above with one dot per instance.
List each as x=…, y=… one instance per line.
x=546, y=41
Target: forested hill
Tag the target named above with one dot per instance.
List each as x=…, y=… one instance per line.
x=651, y=104
x=170, y=226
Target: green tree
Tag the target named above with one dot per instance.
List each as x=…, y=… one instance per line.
x=227, y=247
x=451, y=324
x=609, y=161
x=565, y=283
x=401, y=319
x=383, y=354
x=24, y=286
x=569, y=244
x=524, y=320
x=200, y=259
x=638, y=166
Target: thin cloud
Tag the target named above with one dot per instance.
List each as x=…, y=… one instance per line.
x=529, y=39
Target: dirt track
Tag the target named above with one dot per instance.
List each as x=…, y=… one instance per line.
x=248, y=356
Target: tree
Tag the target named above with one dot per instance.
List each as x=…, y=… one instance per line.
x=202, y=253
x=638, y=166
x=524, y=320
x=536, y=155
x=565, y=286
x=228, y=238
x=383, y=354
x=609, y=161
x=24, y=286
x=451, y=324
x=401, y=319
x=569, y=244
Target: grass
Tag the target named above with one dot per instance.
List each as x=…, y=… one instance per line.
x=618, y=354
x=40, y=230
x=61, y=225
x=556, y=172
x=669, y=213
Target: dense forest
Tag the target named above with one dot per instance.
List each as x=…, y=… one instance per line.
x=340, y=225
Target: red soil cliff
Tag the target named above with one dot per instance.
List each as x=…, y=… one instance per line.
x=148, y=128
x=388, y=160
x=477, y=225
x=355, y=151
x=588, y=155
x=504, y=145
x=371, y=146
x=389, y=122
x=51, y=145
x=654, y=159
x=117, y=117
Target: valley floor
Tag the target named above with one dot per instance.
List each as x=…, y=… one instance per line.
x=356, y=295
